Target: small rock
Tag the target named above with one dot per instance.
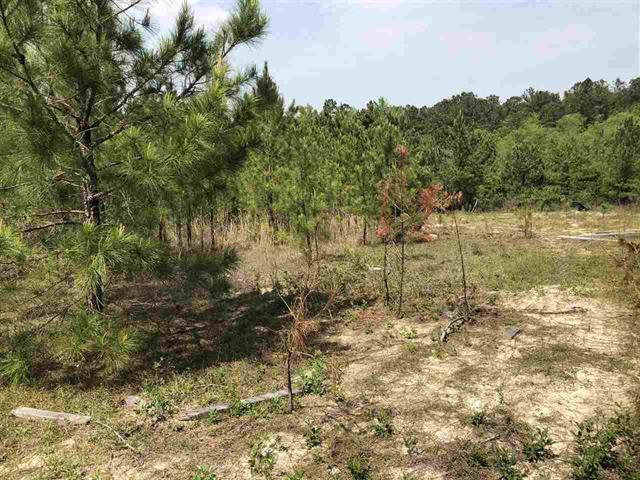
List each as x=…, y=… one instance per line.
x=513, y=332
x=132, y=401
x=60, y=417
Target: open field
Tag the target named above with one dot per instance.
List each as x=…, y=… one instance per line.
x=383, y=399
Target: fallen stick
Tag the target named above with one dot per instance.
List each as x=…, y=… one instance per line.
x=557, y=312
x=60, y=417
x=221, y=407
x=452, y=326
x=120, y=437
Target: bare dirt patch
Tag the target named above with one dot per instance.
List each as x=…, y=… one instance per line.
x=572, y=359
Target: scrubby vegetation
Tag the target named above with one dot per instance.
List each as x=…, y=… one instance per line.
x=173, y=236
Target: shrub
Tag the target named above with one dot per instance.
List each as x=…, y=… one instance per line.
x=16, y=364
x=505, y=464
x=408, y=333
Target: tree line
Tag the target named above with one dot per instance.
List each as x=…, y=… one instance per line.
x=538, y=149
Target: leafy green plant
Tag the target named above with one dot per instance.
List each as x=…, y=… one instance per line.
x=312, y=436
x=297, y=475
x=263, y=455
x=205, y=472
x=359, y=468
x=155, y=403
x=239, y=409
x=607, y=448
x=382, y=422
x=478, y=418
x=536, y=447
x=409, y=333
x=410, y=440
x=313, y=376
x=505, y=464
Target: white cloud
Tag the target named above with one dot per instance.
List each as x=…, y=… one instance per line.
x=384, y=4
x=164, y=12
x=387, y=35
x=572, y=38
x=476, y=44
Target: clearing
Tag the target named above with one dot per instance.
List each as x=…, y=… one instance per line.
x=383, y=399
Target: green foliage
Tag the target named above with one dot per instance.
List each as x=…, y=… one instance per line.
x=16, y=362
x=505, y=464
x=536, y=447
x=155, y=405
x=297, y=475
x=359, y=468
x=382, y=422
x=205, y=272
x=408, y=333
x=312, y=436
x=107, y=139
x=313, y=376
x=607, y=448
x=205, y=472
x=263, y=455
x=12, y=246
x=97, y=339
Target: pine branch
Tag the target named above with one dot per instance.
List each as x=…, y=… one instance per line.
x=49, y=225
x=4, y=188
x=58, y=212
x=22, y=60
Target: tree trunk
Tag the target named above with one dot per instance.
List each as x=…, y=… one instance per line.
x=402, y=259
x=189, y=230
x=315, y=238
x=179, y=232
x=92, y=208
x=271, y=214
x=162, y=231
x=385, y=273
x=364, y=233
x=201, y=223
x=307, y=236
x=289, y=384
x=464, y=273
x=212, y=231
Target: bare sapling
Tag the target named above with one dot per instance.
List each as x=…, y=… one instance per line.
x=467, y=310
x=397, y=208
x=436, y=198
x=303, y=321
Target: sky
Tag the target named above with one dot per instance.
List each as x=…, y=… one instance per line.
x=419, y=52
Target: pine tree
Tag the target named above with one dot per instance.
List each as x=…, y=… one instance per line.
x=106, y=137
x=86, y=101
